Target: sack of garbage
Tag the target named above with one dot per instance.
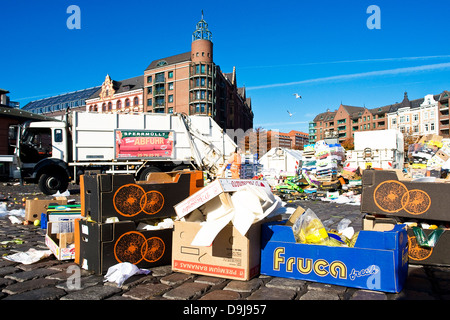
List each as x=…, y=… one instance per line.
x=309, y=229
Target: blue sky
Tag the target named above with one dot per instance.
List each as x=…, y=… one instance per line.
x=322, y=49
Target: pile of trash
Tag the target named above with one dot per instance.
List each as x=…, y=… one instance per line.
x=322, y=176
x=429, y=156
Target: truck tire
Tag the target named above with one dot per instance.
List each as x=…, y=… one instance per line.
x=50, y=183
x=143, y=175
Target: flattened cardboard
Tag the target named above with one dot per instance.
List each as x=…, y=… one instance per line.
x=211, y=191
x=378, y=261
x=231, y=256
x=436, y=256
x=104, y=196
x=385, y=193
x=102, y=245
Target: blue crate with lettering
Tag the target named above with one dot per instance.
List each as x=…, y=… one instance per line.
x=378, y=261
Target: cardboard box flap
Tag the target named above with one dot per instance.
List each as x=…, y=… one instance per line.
x=388, y=240
x=212, y=190
x=277, y=232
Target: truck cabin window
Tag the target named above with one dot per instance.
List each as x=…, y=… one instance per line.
x=58, y=135
x=36, y=145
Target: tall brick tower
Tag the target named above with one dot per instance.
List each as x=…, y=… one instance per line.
x=202, y=71
x=202, y=46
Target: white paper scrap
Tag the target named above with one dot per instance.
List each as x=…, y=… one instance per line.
x=28, y=257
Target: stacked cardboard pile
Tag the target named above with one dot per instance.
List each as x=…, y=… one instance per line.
x=250, y=166
x=323, y=161
x=309, y=160
x=428, y=156
x=58, y=218
x=389, y=198
x=129, y=221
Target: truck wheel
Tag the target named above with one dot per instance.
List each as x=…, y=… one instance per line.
x=143, y=175
x=50, y=183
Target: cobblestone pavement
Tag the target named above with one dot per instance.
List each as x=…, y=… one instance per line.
x=48, y=278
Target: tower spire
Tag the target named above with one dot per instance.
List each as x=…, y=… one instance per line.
x=202, y=32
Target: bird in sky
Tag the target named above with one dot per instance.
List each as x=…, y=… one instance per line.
x=297, y=95
x=290, y=114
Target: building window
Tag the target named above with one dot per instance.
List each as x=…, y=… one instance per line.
x=171, y=98
x=432, y=126
x=149, y=79
x=171, y=110
x=119, y=105
x=159, y=77
x=127, y=103
x=149, y=90
x=109, y=106
x=416, y=117
x=170, y=74
x=149, y=102
x=394, y=121
x=170, y=85
x=136, y=101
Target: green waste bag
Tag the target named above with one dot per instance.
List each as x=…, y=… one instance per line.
x=427, y=241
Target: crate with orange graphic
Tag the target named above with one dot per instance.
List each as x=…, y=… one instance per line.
x=120, y=196
x=99, y=246
x=387, y=192
x=436, y=253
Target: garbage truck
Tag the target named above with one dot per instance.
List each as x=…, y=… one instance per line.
x=55, y=153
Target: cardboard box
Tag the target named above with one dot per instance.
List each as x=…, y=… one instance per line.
x=437, y=256
x=104, y=196
x=378, y=261
x=224, y=250
x=34, y=208
x=102, y=245
x=212, y=190
x=61, y=244
x=385, y=192
x=231, y=256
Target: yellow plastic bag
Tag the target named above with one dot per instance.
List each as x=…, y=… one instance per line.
x=309, y=229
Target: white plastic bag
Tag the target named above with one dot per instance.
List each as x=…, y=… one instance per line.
x=120, y=272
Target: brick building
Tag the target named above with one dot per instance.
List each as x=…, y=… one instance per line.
x=344, y=121
x=193, y=83
x=117, y=96
x=189, y=82
x=419, y=116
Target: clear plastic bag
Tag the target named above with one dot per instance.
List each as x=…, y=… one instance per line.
x=309, y=229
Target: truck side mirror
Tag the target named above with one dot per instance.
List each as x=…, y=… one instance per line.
x=12, y=135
